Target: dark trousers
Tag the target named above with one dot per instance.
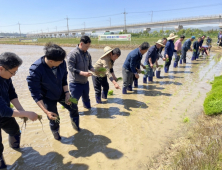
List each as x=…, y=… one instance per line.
x=99, y=82
x=183, y=54
x=80, y=90
x=167, y=63
x=51, y=105
x=127, y=78
x=10, y=126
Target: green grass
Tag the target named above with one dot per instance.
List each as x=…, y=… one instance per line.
x=11, y=105
x=213, y=101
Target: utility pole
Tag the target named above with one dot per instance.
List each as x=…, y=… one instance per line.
x=125, y=20
x=19, y=29
x=67, y=25
x=109, y=21
x=152, y=17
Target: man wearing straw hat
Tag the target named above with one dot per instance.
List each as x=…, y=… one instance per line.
x=169, y=49
x=185, y=48
x=100, y=78
x=151, y=58
x=132, y=66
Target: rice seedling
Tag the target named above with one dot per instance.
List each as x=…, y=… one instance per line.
x=101, y=72
x=11, y=105
x=62, y=107
x=73, y=100
x=142, y=72
x=186, y=120
x=194, y=50
x=167, y=59
x=119, y=78
x=110, y=92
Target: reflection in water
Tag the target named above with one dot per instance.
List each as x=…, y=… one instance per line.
x=31, y=159
x=88, y=144
x=121, y=133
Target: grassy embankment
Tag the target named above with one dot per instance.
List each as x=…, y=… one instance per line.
x=201, y=148
x=95, y=43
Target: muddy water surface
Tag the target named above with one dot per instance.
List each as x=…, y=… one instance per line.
x=122, y=133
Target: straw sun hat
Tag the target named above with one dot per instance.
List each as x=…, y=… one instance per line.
x=106, y=50
x=172, y=36
x=160, y=43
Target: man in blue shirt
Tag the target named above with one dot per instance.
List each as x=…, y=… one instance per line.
x=132, y=66
x=9, y=63
x=201, y=43
x=168, y=53
x=186, y=46
x=48, y=85
x=151, y=59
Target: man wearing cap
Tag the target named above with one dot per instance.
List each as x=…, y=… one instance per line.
x=178, y=47
x=168, y=53
x=151, y=58
x=99, y=79
x=196, y=45
x=132, y=66
x=185, y=48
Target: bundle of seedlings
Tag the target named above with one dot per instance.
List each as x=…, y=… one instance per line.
x=110, y=92
x=100, y=72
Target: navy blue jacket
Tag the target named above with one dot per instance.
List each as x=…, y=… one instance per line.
x=169, y=48
x=201, y=43
x=43, y=83
x=7, y=93
x=133, y=60
x=187, y=44
x=152, y=53
x=196, y=45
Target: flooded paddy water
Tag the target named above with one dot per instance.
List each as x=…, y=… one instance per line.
x=122, y=133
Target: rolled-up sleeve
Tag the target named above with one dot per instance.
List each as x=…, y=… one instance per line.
x=34, y=84
x=71, y=60
x=5, y=110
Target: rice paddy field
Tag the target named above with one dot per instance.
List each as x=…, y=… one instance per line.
x=126, y=131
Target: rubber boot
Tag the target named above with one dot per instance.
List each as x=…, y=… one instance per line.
x=175, y=64
x=56, y=134
x=166, y=69
x=184, y=60
x=75, y=123
x=98, y=100
x=135, y=83
x=87, y=105
x=158, y=74
x=2, y=162
x=124, y=90
x=193, y=58
x=144, y=79
x=181, y=61
x=150, y=79
x=129, y=88
x=14, y=141
x=153, y=74
x=104, y=94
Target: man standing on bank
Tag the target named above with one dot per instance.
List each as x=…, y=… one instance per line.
x=132, y=66
x=106, y=61
x=9, y=63
x=79, y=63
x=48, y=85
x=168, y=53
